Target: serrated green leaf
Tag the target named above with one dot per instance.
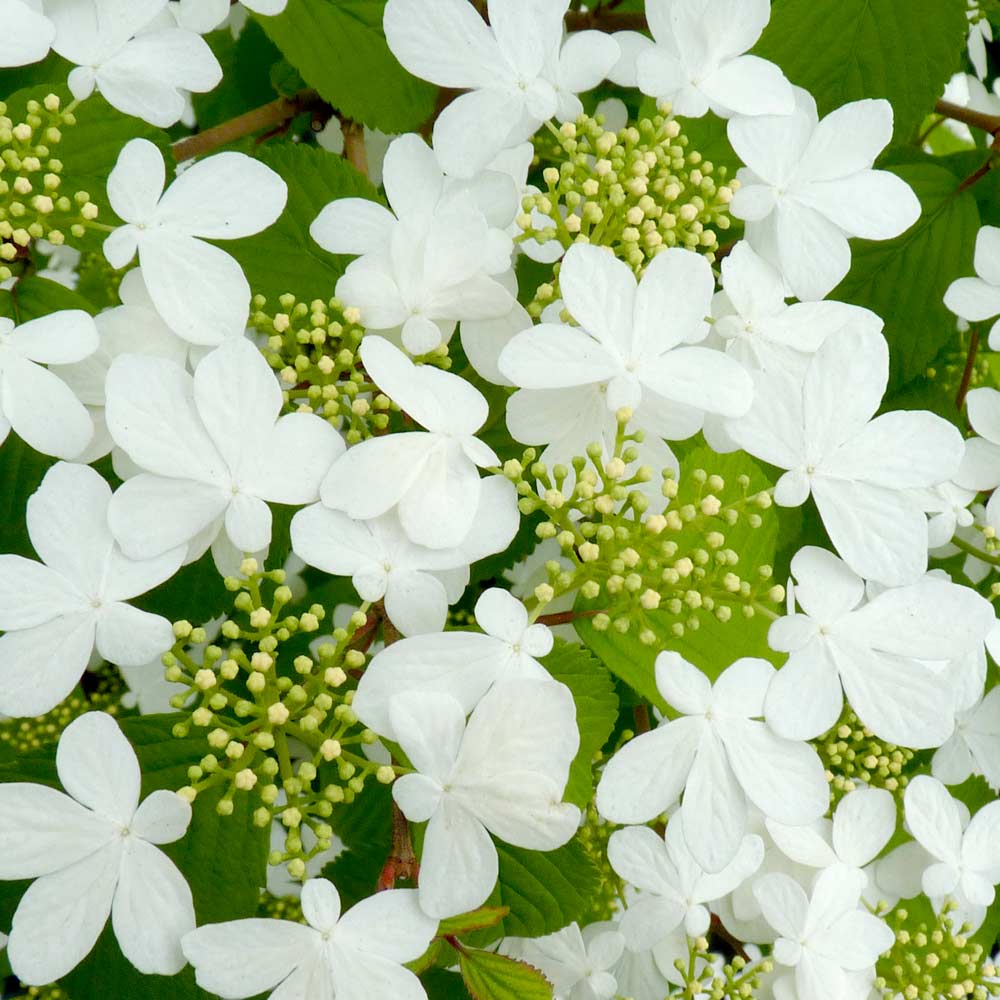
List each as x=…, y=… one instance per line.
x=443, y=985
x=846, y=50
x=596, y=711
x=904, y=280
x=475, y=920
x=489, y=976
x=285, y=258
x=360, y=77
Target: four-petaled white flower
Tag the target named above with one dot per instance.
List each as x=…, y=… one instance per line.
x=348, y=956
x=429, y=477
x=697, y=59
x=38, y=404
x=463, y=664
x=965, y=853
x=809, y=184
x=56, y=612
x=140, y=69
x=212, y=449
x=876, y=649
x=198, y=289
x=719, y=757
x=675, y=888
x=978, y=298
x=27, y=33
x=93, y=854
x=504, y=773
x=862, y=471
x=974, y=746
x=416, y=583
x=577, y=963
x=825, y=936
x=518, y=68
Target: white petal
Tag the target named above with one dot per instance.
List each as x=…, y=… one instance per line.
x=27, y=34
x=136, y=181
x=973, y=299
x=682, y=684
x=772, y=145
x=983, y=407
x=804, y=699
x=847, y=140
x=740, y=688
x=248, y=523
x=130, y=637
x=474, y=128
x=556, y=357
x=585, y=59
x=429, y=727
x=981, y=843
x=416, y=602
x=783, y=903
x=873, y=204
x=352, y=225
x=862, y=825
x=749, y=85
x=933, y=818
x=57, y=339
x=162, y=818
x=600, y=293
x=31, y=594
x=389, y=924
x=638, y=855
x=815, y=255
x=672, y=301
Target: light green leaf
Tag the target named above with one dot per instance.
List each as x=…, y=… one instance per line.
x=474, y=920
x=285, y=258
x=489, y=976
x=846, y=50
x=904, y=280
x=339, y=48
x=596, y=711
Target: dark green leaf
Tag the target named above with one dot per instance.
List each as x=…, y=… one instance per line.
x=21, y=472
x=904, y=280
x=443, y=985
x=354, y=71
x=489, y=976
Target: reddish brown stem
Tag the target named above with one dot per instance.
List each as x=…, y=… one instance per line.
x=641, y=714
x=354, y=145
x=970, y=364
x=565, y=617
x=402, y=861
x=977, y=119
x=719, y=930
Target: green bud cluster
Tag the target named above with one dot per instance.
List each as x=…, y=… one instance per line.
x=280, y=908
x=637, y=191
x=32, y=204
x=853, y=755
x=51, y=992
x=594, y=835
x=630, y=563
x=932, y=960
x=948, y=369
x=275, y=719
x=739, y=979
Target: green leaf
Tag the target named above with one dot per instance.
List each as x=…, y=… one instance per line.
x=596, y=711
x=34, y=296
x=846, y=50
x=489, y=976
x=359, y=76
x=21, y=472
x=285, y=258
x=443, y=985
x=475, y=920
x=904, y=280
x=714, y=644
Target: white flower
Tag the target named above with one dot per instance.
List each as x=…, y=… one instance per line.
x=519, y=71
x=357, y=954
x=947, y=507
x=760, y=330
x=860, y=471
x=826, y=936
x=637, y=338
x=416, y=583
x=966, y=854
x=980, y=32
x=198, y=289
x=140, y=72
x=577, y=963
x=875, y=649
x=429, y=477
x=675, y=888
x=719, y=757
x=504, y=773
x=808, y=185
x=978, y=298
x=92, y=854
x=212, y=449
x=974, y=747
x=697, y=59
x=56, y=612
x=134, y=327
x=862, y=825
x=463, y=664
x=27, y=33
x=205, y=15
x=37, y=403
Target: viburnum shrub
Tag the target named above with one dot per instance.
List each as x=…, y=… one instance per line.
x=497, y=499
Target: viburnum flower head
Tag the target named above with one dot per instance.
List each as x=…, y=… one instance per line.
x=213, y=452
x=93, y=853
x=348, y=956
x=978, y=298
x=198, y=289
x=463, y=664
x=861, y=470
x=138, y=68
x=518, y=68
x=416, y=583
x=504, y=773
x=697, y=59
x=824, y=936
x=27, y=33
x=55, y=613
x=965, y=854
x=808, y=185
x=430, y=478
x=675, y=889
x=638, y=338
x=719, y=756
x=876, y=649
x=40, y=407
